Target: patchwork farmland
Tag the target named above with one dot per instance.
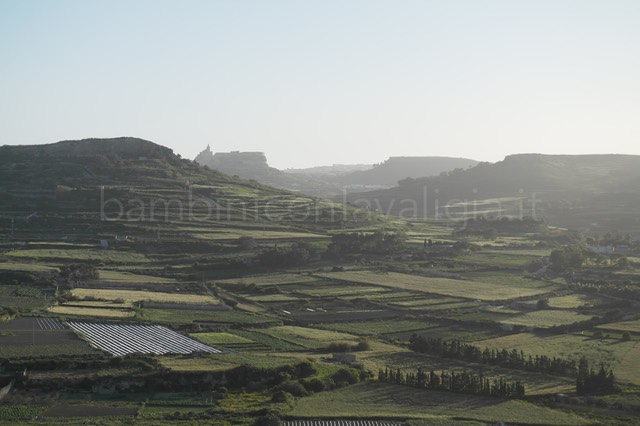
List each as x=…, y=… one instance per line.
x=123, y=339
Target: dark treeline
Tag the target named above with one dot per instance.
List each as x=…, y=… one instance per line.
x=590, y=382
x=294, y=255
x=463, y=382
x=503, y=358
x=375, y=242
x=624, y=289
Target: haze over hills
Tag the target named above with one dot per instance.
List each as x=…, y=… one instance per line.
x=588, y=192
x=327, y=181
x=254, y=166
x=333, y=170
x=395, y=169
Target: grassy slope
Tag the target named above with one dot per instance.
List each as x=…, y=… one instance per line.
x=400, y=402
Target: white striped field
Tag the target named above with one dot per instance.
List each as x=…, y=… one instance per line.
x=123, y=339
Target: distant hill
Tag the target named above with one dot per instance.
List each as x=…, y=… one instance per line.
x=254, y=166
x=328, y=181
x=330, y=171
x=599, y=193
x=395, y=169
x=236, y=162
x=123, y=146
x=100, y=187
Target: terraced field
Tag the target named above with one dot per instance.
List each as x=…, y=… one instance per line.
x=617, y=354
x=38, y=336
x=375, y=400
x=630, y=326
x=82, y=311
x=133, y=296
x=444, y=286
x=308, y=338
x=547, y=318
x=376, y=328
x=224, y=362
x=268, y=280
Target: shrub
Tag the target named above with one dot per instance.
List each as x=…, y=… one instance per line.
x=293, y=388
x=345, y=376
x=282, y=397
x=315, y=385
x=269, y=419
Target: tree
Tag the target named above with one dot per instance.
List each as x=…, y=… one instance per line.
x=567, y=258
x=270, y=419
x=542, y=304
x=77, y=272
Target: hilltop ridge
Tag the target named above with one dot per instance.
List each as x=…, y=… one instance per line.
x=123, y=146
x=86, y=188
x=595, y=192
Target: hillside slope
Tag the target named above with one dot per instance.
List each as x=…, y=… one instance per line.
x=97, y=187
x=590, y=192
x=395, y=169
x=254, y=166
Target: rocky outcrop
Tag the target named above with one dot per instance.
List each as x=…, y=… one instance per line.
x=244, y=164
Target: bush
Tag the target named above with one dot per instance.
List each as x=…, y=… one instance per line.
x=542, y=304
x=269, y=419
x=626, y=336
x=345, y=376
x=315, y=385
x=283, y=397
x=293, y=388
x=362, y=345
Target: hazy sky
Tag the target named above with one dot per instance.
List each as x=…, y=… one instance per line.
x=320, y=82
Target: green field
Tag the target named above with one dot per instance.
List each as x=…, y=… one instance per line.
x=220, y=338
x=630, y=326
x=546, y=318
x=621, y=356
x=309, y=338
x=187, y=316
x=92, y=312
x=224, y=362
x=273, y=298
x=571, y=301
x=422, y=302
x=22, y=297
x=374, y=328
x=133, y=296
x=98, y=255
x=342, y=291
x=16, y=413
x=26, y=267
x=267, y=280
x=377, y=400
x=127, y=277
x=444, y=286
x=535, y=383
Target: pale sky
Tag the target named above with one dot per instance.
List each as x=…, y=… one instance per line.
x=317, y=82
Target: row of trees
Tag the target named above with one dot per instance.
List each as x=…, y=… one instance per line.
x=79, y=272
x=590, y=382
x=573, y=257
x=358, y=242
x=294, y=255
x=622, y=289
x=512, y=359
x=463, y=382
